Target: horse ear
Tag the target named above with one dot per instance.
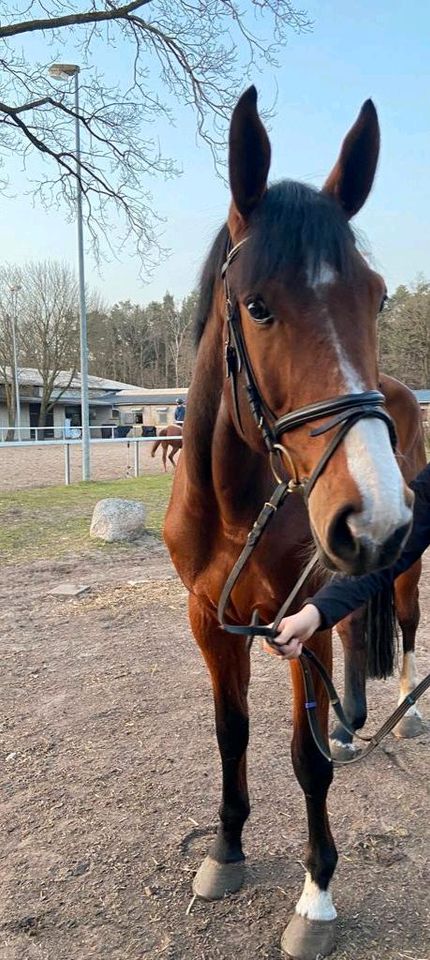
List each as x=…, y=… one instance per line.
x=249, y=154
x=351, y=179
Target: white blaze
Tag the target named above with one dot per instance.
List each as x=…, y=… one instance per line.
x=315, y=904
x=372, y=465
x=367, y=446
x=322, y=277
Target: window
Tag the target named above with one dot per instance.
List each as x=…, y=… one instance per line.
x=74, y=415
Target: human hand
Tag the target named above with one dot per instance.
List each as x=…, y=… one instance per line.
x=293, y=631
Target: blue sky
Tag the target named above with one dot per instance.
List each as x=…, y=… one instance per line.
x=358, y=48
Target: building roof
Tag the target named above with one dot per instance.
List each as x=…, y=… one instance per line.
x=142, y=398
x=30, y=377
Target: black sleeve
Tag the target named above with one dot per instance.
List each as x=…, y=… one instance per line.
x=342, y=595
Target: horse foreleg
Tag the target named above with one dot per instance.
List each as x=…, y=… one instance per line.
x=172, y=458
x=164, y=457
x=311, y=931
x=222, y=871
x=352, y=634
x=408, y=615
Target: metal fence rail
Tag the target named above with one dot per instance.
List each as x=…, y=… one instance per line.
x=56, y=433
x=66, y=444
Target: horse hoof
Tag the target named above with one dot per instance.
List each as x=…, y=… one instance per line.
x=411, y=725
x=343, y=751
x=214, y=880
x=305, y=939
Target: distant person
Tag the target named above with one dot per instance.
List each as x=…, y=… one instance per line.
x=180, y=411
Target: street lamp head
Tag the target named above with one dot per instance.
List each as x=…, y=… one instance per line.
x=62, y=71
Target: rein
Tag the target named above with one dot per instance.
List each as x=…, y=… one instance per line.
x=344, y=412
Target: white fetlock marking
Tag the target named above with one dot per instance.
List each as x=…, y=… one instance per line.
x=345, y=746
x=408, y=681
x=315, y=904
x=413, y=712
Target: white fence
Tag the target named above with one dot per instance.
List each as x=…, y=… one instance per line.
x=132, y=441
x=34, y=434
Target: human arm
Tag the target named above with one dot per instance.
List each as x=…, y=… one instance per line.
x=342, y=595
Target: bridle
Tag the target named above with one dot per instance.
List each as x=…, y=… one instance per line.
x=344, y=411
x=341, y=412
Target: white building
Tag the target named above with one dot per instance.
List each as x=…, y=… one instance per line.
x=137, y=406
x=111, y=403
x=67, y=403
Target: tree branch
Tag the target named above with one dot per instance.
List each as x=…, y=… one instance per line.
x=71, y=19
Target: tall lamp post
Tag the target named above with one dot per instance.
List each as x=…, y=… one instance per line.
x=63, y=71
x=14, y=290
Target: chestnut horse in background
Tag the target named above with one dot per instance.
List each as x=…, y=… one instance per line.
x=173, y=430
x=305, y=306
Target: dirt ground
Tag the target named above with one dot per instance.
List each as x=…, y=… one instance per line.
x=110, y=786
x=40, y=466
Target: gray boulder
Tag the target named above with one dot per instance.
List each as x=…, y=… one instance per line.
x=115, y=519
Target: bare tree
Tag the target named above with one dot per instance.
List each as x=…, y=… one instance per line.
x=404, y=338
x=197, y=52
x=130, y=343
x=49, y=324
x=178, y=321
x=10, y=283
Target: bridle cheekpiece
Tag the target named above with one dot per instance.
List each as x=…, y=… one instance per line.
x=344, y=411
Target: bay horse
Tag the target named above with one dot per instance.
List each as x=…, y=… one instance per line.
x=405, y=411
x=286, y=330
x=171, y=431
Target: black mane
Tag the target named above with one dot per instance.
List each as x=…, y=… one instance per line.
x=294, y=227
x=210, y=274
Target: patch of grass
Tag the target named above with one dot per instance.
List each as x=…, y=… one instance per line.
x=53, y=521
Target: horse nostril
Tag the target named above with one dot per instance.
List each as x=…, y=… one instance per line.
x=358, y=551
x=341, y=541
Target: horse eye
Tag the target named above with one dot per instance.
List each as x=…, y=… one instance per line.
x=383, y=302
x=258, y=310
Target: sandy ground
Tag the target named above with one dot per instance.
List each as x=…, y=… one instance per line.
x=110, y=786
x=44, y=466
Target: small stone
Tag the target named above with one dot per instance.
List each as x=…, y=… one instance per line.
x=68, y=589
x=28, y=925
x=11, y=756
x=80, y=868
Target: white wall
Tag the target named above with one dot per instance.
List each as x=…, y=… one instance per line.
x=59, y=416
x=151, y=413
x=25, y=421
x=98, y=416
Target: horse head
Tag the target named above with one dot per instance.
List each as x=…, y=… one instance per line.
x=307, y=303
